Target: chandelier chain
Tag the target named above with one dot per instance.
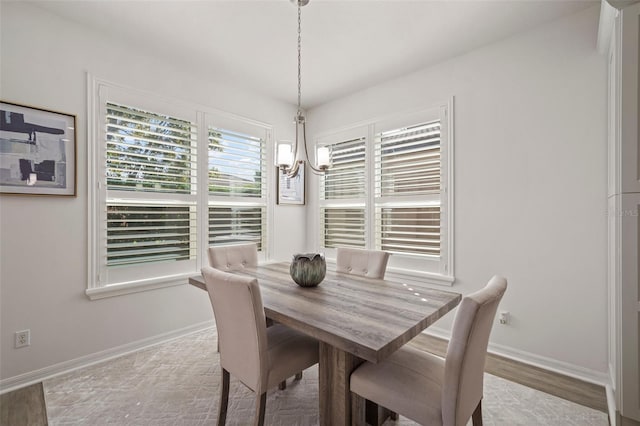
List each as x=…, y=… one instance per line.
x=299, y=56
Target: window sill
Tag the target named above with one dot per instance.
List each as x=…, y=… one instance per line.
x=121, y=289
x=411, y=276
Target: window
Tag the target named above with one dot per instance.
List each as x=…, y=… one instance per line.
x=343, y=193
x=237, y=198
x=389, y=188
x=168, y=181
x=154, y=155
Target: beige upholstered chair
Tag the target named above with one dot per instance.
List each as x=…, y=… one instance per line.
x=236, y=257
x=233, y=257
x=426, y=388
x=258, y=356
x=366, y=263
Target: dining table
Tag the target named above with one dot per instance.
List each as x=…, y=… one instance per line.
x=354, y=318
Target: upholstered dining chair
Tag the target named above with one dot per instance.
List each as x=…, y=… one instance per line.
x=233, y=257
x=366, y=263
x=426, y=388
x=258, y=356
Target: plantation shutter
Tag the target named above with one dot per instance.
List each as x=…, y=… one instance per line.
x=150, y=161
x=408, y=229
x=346, y=176
x=408, y=182
x=408, y=160
x=342, y=193
x=149, y=152
x=236, y=164
x=343, y=227
x=237, y=194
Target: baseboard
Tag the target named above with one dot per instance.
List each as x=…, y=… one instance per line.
x=611, y=405
x=564, y=368
x=26, y=379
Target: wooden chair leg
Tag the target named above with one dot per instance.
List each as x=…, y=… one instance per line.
x=224, y=398
x=298, y=376
x=261, y=402
x=282, y=385
x=358, y=410
x=476, y=417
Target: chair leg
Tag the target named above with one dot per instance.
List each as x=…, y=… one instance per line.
x=261, y=403
x=224, y=398
x=282, y=385
x=358, y=410
x=476, y=417
x=299, y=376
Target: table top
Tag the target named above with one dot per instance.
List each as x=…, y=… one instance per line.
x=369, y=318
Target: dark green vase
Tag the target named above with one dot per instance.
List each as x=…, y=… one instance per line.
x=308, y=269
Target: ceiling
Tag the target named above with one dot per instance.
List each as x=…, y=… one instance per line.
x=346, y=45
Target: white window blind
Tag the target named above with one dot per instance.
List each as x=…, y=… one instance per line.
x=346, y=176
x=342, y=193
x=237, y=195
x=408, y=230
x=153, y=154
x=343, y=227
x=228, y=225
x=236, y=164
x=408, y=181
x=144, y=233
x=408, y=160
x=148, y=151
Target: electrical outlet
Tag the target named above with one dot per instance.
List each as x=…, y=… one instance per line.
x=504, y=317
x=23, y=338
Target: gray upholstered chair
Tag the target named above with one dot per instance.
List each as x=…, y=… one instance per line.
x=366, y=263
x=426, y=388
x=233, y=257
x=258, y=356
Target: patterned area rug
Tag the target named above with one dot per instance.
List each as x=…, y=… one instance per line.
x=178, y=383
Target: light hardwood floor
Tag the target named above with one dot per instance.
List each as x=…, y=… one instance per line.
x=569, y=388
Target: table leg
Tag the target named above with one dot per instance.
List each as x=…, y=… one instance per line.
x=335, y=367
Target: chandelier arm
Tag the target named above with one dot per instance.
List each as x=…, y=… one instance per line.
x=306, y=151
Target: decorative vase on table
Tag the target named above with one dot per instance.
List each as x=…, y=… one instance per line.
x=308, y=269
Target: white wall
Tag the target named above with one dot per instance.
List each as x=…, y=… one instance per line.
x=530, y=182
x=43, y=249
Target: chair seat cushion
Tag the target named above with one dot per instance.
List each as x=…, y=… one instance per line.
x=289, y=353
x=409, y=382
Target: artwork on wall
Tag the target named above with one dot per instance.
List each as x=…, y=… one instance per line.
x=291, y=189
x=37, y=151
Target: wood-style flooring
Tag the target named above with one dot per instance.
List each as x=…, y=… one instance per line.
x=574, y=390
x=24, y=406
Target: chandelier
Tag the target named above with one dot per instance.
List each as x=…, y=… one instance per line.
x=286, y=154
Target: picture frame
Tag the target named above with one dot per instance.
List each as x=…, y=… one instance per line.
x=37, y=151
x=291, y=190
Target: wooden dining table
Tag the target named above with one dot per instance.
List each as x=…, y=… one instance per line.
x=354, y=318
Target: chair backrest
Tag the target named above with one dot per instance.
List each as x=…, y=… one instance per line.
x=233, y=257
x=240, y=320
x=467, y=351
x=366, y=263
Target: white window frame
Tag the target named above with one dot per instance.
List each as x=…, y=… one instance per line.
x=407, y=267
x=100, y=281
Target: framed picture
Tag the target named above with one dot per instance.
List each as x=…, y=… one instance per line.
x=291, y=189
x=37, y=151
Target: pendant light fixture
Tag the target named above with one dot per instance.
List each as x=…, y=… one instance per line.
x=287, y=154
